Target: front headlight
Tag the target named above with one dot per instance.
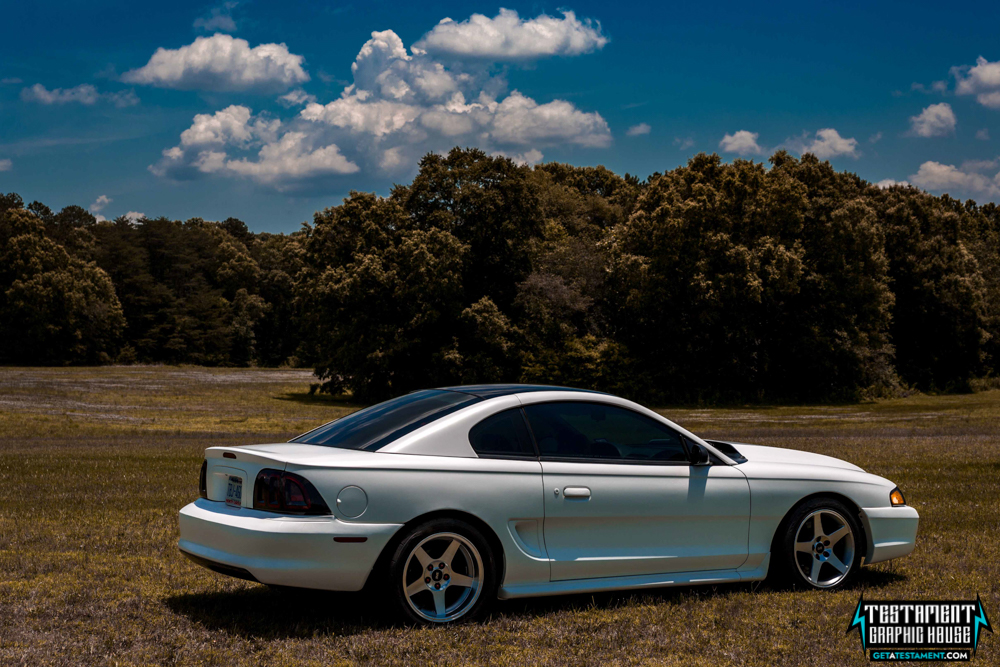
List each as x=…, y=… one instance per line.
x=896, y=497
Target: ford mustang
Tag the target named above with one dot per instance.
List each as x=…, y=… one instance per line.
x=443, y=500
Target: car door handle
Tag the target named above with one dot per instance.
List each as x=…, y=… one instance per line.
x=578, y=492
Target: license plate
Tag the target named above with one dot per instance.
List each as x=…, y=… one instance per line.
x=234, y=492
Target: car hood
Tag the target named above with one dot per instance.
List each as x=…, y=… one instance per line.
x=763, y=454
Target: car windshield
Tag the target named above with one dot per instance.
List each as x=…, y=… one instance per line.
x=375, y=427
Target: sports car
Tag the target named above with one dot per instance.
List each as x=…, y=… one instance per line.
x=444, y=500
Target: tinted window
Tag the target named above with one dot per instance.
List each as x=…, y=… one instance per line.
x=596, y=431
x=378, y=425
x=503, y=434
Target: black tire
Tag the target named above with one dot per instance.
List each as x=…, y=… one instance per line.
x=472, y=560
x=829, y=549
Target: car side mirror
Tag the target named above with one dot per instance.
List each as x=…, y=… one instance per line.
x=699, y=455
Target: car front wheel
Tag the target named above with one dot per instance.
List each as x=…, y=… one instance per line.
x=443, y=571
x=823, y=544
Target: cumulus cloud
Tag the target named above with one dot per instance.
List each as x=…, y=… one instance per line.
x=134, y=216
x=937, y=120
x=218, y=18
x=981, y=80
x=968, y=179
x=100, y=203
x=983, y=134
x=10, y=80
x=683, y=143
x=222, y=63
x=85, y=94
x=827, y=143
x=509, y=37
x=402, y=104
x=6, y=164
x=888, y=183
x=283, y=158
x=742, y=142
x=875, y=138
x=638, y=130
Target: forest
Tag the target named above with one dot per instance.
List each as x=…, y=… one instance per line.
x=710, y=283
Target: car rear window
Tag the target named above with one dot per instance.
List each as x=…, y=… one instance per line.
x=375, y=427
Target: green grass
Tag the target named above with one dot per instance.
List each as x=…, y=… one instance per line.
x=95, y=463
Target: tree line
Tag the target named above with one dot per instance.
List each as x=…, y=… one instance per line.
x=711, y=282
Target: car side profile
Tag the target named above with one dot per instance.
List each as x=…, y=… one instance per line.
x=443, y=500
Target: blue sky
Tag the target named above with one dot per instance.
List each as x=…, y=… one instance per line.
x=253, y=109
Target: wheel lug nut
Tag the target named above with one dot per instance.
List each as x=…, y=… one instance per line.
x=427, y=580
x=446, y=577
x=441, y=566
x=437, y=586
x=430, y=567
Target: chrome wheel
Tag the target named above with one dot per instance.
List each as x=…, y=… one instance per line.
x=443, y=577
x=824, y=548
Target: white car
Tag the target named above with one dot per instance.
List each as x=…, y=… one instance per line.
x=446, y=499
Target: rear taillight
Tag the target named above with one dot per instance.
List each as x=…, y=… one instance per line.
x=202, y=484
x=288, y=493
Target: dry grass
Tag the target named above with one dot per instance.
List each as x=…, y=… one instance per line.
x=95, y=463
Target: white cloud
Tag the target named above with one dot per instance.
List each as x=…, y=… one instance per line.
x=283, y=156
x=100, y=203
x=983, y=134
x=940, y=87
x=6, y=164
x=826, y=144
x=292, y=158
x=683, y=143
x=638, y=130
x=742, y=142
x=509, y=37
x=521, y=120
x=412, y=99
x=10, y=80
x=981, y=80
x=85, y=94
x=134, y=216
x=990, y=100
x=219, y=18
x=229, y=126
x=402, y=104
x=937, y=120
x=875, y=138
x=296, y=98
x=888, y=183
x=948, y=178
x=222, y=63
x=529, y=158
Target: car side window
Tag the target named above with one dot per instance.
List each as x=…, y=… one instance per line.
x=503, y=435
x=581, y=430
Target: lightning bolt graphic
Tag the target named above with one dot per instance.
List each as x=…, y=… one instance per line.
x=980, y=620
x=859, y=621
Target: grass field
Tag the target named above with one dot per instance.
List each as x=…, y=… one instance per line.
x=95, y=463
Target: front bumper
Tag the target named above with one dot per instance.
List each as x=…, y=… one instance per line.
x=893, y=532
x=282, y=550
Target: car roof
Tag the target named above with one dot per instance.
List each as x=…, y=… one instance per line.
x=495, y=390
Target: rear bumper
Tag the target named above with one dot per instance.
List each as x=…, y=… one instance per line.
x=893, y=532
x=282, y=550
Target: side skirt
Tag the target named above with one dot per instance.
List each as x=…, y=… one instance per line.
x=512, y=591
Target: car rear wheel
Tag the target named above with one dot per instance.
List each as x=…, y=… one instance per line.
x=443, y=571
x=822, y=545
